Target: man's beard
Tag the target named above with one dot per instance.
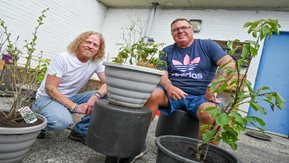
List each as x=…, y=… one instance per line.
x=87, y=54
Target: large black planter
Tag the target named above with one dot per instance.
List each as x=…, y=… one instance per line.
x=179, y=123
x=177, y=149
x=117, y=131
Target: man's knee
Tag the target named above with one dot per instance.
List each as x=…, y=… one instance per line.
x=59, y=121
x=157, y=96
x=59, y=124
x=204, y=116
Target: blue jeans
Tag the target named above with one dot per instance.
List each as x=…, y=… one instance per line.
x=190, y=104
x=58, y=116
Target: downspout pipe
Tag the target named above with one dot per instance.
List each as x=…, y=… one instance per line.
x=150, y=22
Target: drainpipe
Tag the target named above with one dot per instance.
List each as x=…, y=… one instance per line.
x=150, y=23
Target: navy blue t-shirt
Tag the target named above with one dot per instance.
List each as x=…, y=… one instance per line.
x=193, y=68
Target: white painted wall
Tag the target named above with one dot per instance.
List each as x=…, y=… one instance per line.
x=217, y=24
x=114, y=21
x=65, y=20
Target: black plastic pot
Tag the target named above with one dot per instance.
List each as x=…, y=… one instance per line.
x=117, y=131
x=179, y=123
x=169, y=150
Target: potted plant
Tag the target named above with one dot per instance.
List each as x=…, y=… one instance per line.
x=128, y=84
x=19, y=126
x=228, y=121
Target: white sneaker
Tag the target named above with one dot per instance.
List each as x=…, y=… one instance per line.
x=146, y=149
x=133, y=159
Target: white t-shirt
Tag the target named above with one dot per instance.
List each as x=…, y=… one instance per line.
x=73, y=74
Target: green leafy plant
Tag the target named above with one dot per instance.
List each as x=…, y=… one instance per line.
x=136, y=49
x=228, y=120
x=42, y=67
x=26, y=76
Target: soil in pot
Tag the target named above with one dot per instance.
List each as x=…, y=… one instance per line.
x=188, y=150
x=19, y=122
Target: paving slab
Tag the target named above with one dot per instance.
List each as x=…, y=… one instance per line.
x=57, y=148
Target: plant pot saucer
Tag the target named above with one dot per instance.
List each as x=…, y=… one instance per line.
x=258, y=135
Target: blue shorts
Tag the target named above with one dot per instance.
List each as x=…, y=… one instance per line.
x=190, y=104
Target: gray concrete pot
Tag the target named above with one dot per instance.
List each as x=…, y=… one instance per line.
x=117, y=131
x=15, y=142
x=129, y=85
x=178, y=149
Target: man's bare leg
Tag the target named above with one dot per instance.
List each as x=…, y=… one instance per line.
x=157, y=98
x=204, y=118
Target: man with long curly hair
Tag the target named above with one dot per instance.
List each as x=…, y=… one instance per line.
x=58, y=97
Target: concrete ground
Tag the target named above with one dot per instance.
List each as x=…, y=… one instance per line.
x=57, y=148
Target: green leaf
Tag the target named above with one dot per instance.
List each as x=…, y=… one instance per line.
x=247, y=24
x=215, y=112
x=231, y=131
x=253, y=51
x=253, y=119
x=238, y=117
x=208, y=136
x=280, y=102
x=221, y=88
x=233, y=145
x=252, y=27
x=205, y=127
x=245, y=50
x=258, y=108
x=209, y=108
x=230, y=44
x=264, y=88
x=222, y=119
x=230, y=138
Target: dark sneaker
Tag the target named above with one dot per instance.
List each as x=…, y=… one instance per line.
x=77, y=137
x=41, y=135
x=133, y=159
